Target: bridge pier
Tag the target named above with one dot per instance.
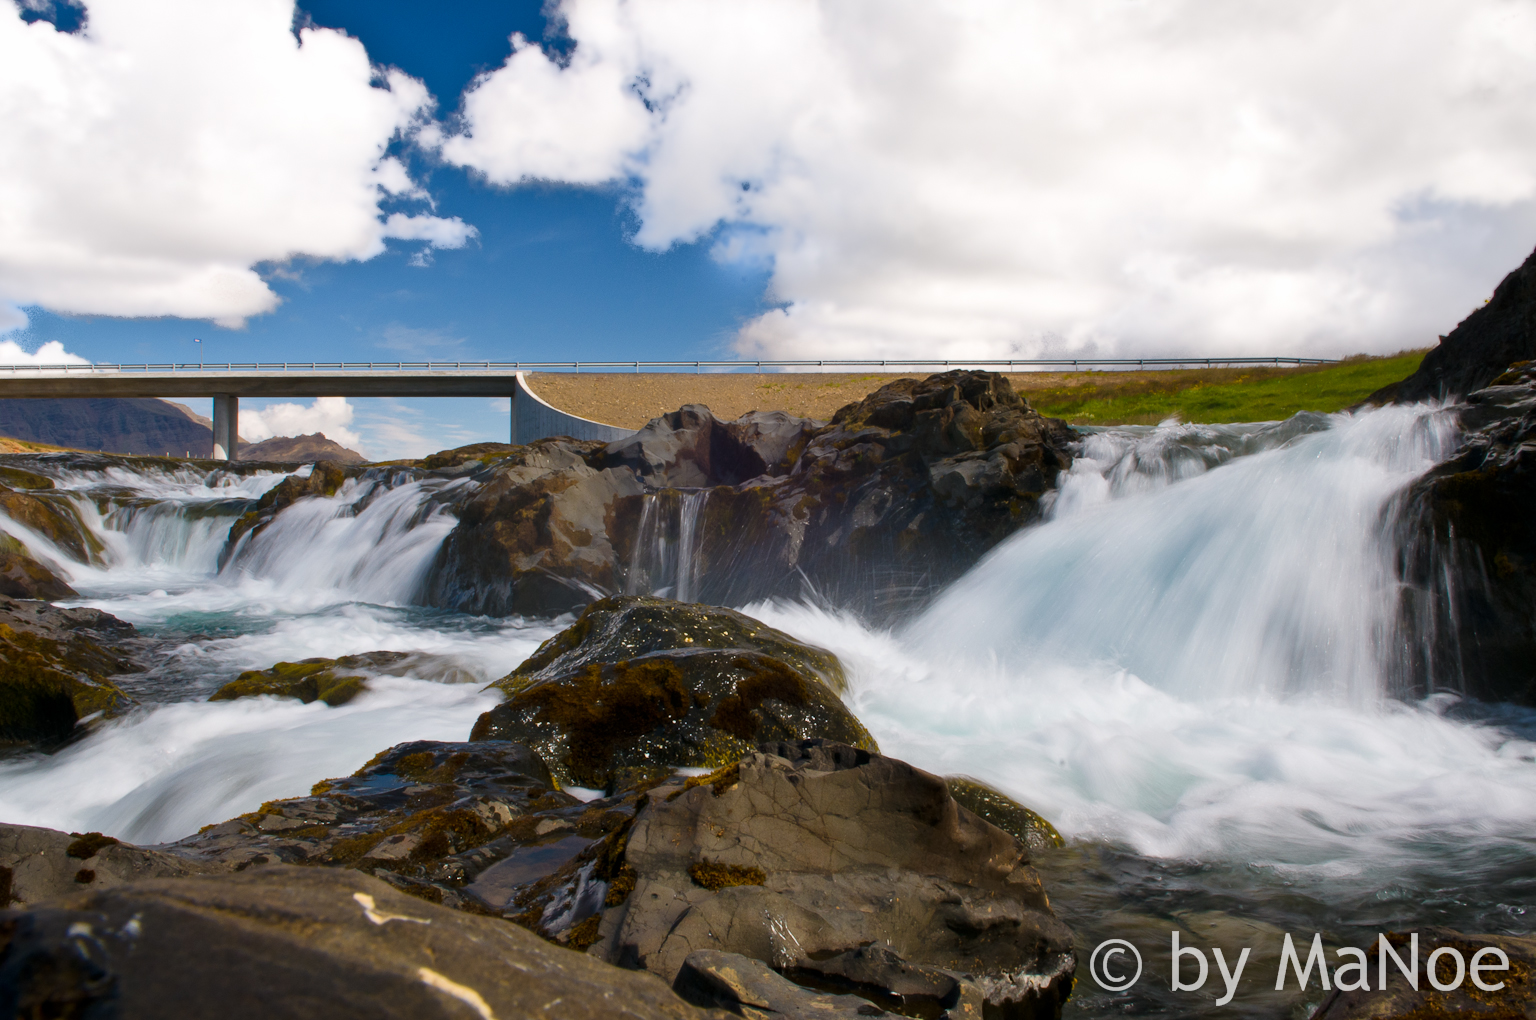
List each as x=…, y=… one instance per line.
x=226, y=427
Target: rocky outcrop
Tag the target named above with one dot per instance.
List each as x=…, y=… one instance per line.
x=55, y=517
x=1400, y=1000
x=55, y=666
x=841, y=869
x=898, y=494
x=296, y=942
x=1480, y=348
x=1469, y=557
x=45, y=864
x=338, y=681
x=23, y=577
x=533, y=534
x=639, y=685
x=300, y=450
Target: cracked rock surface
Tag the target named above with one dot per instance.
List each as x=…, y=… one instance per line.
x=807, y=855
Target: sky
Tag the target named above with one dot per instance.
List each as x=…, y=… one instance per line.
x=680, y=179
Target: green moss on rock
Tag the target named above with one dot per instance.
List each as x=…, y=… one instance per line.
x=46, y=688
x=1005, y=813
x=643, y=685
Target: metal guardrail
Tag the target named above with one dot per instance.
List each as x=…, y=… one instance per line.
x=1027, y=364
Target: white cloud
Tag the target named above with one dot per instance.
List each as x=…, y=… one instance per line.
x=330, y=415
x=50, y=353
x=986, y=177
x=150, y=161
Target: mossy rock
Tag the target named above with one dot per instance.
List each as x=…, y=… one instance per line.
x=333, y=681
x=643, y=685
x=22, y=577
x=20, y=478
x=627, y=626
x=324, y=479
x=56, y=518
x=44, y=693
x=1005, y=813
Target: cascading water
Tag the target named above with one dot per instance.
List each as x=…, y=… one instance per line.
x=665, y=560
x=330, y=576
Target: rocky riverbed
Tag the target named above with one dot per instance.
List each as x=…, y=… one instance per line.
x=327, y=732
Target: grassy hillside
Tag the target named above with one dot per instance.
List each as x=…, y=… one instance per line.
x=1226, y=395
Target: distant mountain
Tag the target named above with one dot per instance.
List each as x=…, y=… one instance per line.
x=141, y=425
x=300, y=450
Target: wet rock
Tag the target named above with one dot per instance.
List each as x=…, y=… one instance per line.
x=43, y=864
x=324, y=480
x=465, y=825
x=802, y=855
x=643, y=684
x=1399, y=1000
x=337, y=681
x=54, y=516
x=1005, y=813
x=54, y=669
x=1469, y=555
x=1480, y=348
x=23, y=577
x=898, y=494
x=295, y=942
x=749, y=988
x=533, y=532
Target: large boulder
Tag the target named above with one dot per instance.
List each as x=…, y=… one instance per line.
x=1480, y=348
x=55, y=669
x=23, y=577
x=839, y=868
x=297, y=942
x=533, y=531
x=898, y=494
x=641, y=684
x=1469, y=554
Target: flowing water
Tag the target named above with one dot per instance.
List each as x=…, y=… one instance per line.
x=1187, y=668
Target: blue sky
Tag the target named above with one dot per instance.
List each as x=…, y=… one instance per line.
x=679, y=179
x=552, y=275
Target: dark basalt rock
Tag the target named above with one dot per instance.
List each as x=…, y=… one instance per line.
x=1480, y=348
x=645, y=685
x=532, y=535
x=56, y=518
x=298, y=942
x=839, y=868
x=54, y=669
x=1469, y=553
x=898, y=494
x=1399, y=1000
x=337, y=681
x=749, y=988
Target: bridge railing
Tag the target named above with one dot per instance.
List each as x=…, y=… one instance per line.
x=820, y=365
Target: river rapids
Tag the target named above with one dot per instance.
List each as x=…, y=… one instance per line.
x=1187, y=667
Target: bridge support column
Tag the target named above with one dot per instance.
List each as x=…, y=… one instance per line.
x=226, y=427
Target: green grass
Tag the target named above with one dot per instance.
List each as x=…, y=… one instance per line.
x=1224, y=395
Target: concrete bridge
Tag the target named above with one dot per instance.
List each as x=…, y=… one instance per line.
x=532, y=418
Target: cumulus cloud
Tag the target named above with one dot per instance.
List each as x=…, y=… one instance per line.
x=151, y=160
x=330, y=415
x=1012, y=177
x=50, y=353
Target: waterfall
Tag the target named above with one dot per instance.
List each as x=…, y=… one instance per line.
x=666, y=559
x=1273, y=573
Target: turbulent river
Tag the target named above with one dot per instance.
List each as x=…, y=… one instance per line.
x=1187, y=668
